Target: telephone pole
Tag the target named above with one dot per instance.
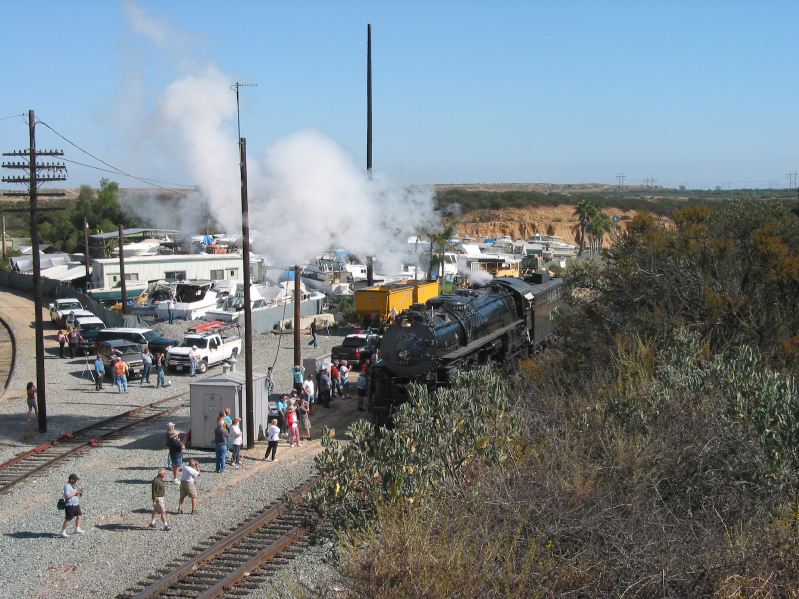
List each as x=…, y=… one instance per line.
x=370, y=270
x=86, y=251
x=51, y=171
x=245, y=250
x=620, y=178
x=122, y=283
x=297, y=317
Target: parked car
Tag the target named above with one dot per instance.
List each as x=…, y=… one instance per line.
x=357, y=347
x=77, y=313
x=88, y=326
x=213, y=349
x=144, y=337
x=128, y=351
x=61, y=307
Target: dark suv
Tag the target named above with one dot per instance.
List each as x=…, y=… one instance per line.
x=144, y=337
x=128, y=351
x=358, y=347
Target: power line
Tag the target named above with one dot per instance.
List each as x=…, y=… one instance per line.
x=13, y=116
x=106, y=170
x=116, y=169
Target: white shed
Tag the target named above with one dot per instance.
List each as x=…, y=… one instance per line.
x=209, y=396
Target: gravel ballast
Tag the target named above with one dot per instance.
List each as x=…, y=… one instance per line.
x=118, y=549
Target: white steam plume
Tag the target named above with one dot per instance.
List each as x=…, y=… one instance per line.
x=306, y=194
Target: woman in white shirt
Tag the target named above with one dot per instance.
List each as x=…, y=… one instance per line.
x=237, y=436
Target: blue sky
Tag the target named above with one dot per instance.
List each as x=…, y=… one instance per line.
x=696, y=93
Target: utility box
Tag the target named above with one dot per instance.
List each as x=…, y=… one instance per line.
x=314, y=365
x=212, y=395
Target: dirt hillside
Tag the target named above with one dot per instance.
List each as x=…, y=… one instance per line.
x=521, y=223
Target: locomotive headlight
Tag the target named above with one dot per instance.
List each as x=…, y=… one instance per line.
x=405, y=323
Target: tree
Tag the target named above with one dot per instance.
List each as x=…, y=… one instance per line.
x=600, y=225
x=439, y=237
x=584, y=212
x=101, y=209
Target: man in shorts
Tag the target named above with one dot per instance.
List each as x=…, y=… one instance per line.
x=188, y=475
x=159, y=499
x=72, y=495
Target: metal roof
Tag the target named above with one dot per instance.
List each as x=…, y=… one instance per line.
x=130, y=232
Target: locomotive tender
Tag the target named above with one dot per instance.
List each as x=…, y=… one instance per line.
x=507, y=319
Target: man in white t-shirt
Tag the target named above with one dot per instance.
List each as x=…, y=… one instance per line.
x=308, y=388
x=187, y=487
x=273, y=434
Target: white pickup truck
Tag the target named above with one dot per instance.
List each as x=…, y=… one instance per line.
x=60, y=309
x=213, y=349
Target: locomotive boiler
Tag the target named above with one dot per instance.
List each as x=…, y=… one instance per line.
x=505, y=320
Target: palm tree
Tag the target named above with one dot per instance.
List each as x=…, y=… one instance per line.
x=584, y=212
x=439, y=237
x=600, y=225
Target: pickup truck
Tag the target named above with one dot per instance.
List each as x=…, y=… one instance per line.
x=357, y=348
x=213, y=349
x=60, y=309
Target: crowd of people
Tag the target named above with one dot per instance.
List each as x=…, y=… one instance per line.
x=289, y=417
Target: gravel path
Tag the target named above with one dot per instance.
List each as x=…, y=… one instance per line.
x=118, y=549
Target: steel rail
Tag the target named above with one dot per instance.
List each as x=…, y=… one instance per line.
x=229, y=582
x=222, y=546
x=78, y=445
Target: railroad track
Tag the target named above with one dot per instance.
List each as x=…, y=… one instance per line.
x=235, y=563
x=34, y=461
x=8, y=355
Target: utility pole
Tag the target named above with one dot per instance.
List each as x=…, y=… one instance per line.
x=370, y=275
x=620, y=178
x=792, y=179
x=122, y=270
x=86, y=251
x=235, y=87
x=4, y=238
x=54, y=172
x=245, y=250
x=297, y=317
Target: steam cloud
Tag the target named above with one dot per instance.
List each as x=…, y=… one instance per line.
x=306, y=194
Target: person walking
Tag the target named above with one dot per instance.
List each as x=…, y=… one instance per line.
x=30, y=395
x=325, y=387
x=160, y=376
x=176, y=448
x=188, y=487
x=158, y=492
x=220, y=443
x=237, y=439
x=147, y=360
x=273, y=435
x=62, y=341
x=99, y=373
x=313, y=342
x=121, y=375
x=170, y=309
x=72, y=495
x=194, y=360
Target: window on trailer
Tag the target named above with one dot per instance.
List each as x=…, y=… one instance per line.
x=175, y=275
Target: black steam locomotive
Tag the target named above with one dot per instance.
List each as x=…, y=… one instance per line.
x=507, y=319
